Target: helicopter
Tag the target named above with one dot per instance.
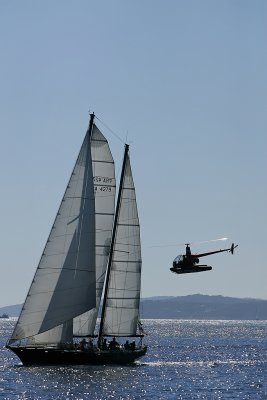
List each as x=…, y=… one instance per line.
x=187, y=263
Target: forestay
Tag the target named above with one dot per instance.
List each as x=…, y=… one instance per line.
x=123, y=292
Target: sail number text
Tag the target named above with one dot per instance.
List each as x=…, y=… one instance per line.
x=102, y=180
x=102, y=188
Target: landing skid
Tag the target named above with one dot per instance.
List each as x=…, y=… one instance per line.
x=199, y=268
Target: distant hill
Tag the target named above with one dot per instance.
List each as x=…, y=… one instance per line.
x=12, y=311
x=195, y=306
x=199, y=306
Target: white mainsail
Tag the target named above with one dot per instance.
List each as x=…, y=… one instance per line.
x=123, y=292
x=104, y=189
x=64, y=284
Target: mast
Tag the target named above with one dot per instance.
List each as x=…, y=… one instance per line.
x=90, y=128
x=126, y=149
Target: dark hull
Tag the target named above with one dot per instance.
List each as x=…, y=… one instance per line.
x=52, y=356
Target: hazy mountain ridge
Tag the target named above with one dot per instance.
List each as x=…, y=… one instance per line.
x=195, y=306
x=12, y=311
x=204, y=307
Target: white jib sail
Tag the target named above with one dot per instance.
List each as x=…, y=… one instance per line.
x=59, y=334
x=123, y=295
x=64, y=283
x=104, y=189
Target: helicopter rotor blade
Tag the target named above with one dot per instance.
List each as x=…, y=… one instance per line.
x=212, y=240
x=189, y=244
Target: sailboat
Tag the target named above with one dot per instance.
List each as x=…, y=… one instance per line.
x=93, y=252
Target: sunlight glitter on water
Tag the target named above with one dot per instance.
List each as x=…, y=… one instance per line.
x=186, y=360
x=211, y=364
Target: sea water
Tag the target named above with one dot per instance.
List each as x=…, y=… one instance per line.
x=185, y=360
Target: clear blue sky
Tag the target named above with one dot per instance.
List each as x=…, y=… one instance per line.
x=187, y=82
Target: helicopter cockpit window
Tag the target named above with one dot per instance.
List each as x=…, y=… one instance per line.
x=178, y=258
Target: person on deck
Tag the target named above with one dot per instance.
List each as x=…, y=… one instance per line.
x=113, y=344
x=83, y=344
x=127, y=345
x=104, y=345
x=133, y=345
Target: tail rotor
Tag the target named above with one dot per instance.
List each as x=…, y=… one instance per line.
x=233, y=247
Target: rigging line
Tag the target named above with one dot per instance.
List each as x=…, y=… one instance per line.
x=82, y=324
x=65, y=269
x=106, y=126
